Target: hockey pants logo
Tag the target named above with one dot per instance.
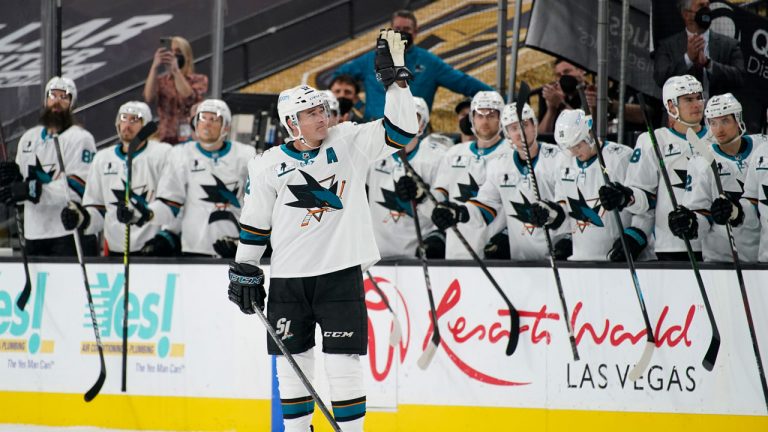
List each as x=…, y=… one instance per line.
x=284, y=328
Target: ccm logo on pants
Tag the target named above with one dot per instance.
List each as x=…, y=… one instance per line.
x=338, y=334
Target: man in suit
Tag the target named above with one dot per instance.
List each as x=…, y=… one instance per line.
x=714, y=59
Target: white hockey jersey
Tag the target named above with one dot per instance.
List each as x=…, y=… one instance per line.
x=593, y=229
x=36, y=156
x=756, y=191
x=460, y=175
x=650, y=193
x=701, y=190
x=210, y=188
x=393, y=223
x=106, y=188
x=311, y=205
x=508, y=194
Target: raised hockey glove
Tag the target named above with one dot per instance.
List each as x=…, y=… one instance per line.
x=615, y=195
x=683, y=223
x=724, y=210
x=547, y=213
x=163, y=244
x=407, y=189
x=18, y=191
x=563, y=249
x=390, y=58
x=226, y=246
x=246, y=287
x=636, y=242
x=75, y=216
x=136, y=214
x=9, y=173
x=448, y=214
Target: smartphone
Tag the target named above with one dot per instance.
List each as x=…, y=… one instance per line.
x=165, y=42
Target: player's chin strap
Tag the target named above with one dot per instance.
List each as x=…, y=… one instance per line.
x=304, y=141
x=736, y=138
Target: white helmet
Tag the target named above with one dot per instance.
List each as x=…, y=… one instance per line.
x=722, y=105
x=509, y=116
x=423, y=111
x=63, y=84
x=333, y=103
x=572, y=127
x=139, y=109
x=485, y=100
x=677, y=86
x=294, y=100
x=218, y=107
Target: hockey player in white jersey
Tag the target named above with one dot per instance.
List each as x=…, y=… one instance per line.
x=390, y=192
x=462, y=172
x=207, y=180
x=594, y=231
x=508, y=194
x=106, y=188
x=702, y=206
x=641, y=192
x=756, y=192
x=308, y=197
x=35, y=179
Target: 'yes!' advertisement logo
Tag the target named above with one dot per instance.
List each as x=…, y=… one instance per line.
x=20, y=330
x=150, y=318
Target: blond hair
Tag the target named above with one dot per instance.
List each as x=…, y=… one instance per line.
x=186, y=51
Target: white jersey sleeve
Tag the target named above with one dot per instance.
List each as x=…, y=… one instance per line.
x=756, y=194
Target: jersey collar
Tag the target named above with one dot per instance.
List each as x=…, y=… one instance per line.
x=747, y=144
x=586, y=164
x=521, y=165
x=301, y=155
x=485, y=151
x=215, y=154
x=410, y=155
x=119, y=151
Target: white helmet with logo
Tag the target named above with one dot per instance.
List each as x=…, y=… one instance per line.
x=63, y=84
x=294, y=100
x=333, y=103
x=722, y=105
x=485, y=100
x=509, y=116
x=572, y=127
x=423, y=111
x=139, y=109
x=677, y=86
x=218, y=107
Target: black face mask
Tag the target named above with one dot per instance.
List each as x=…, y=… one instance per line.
x=465, y=126
x=345, y=105
x=180, y=60
x=568, y=84
x=703, y=18
x=408, y=39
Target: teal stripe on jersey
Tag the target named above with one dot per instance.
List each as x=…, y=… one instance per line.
x=253, y=236
x=396, y=136
x=77, y=184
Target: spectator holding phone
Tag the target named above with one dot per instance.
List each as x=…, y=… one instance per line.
x=175, y=90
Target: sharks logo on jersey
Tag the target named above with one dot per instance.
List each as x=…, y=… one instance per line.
x=467, y=191
x=395, y=205
x=222, y=197
x=765, y=193
x=524, y=214
x=682, y=175
x=42, y=173
x=316, y=198
x=139, y=194
x=583, y=213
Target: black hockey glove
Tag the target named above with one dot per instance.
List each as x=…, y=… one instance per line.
x=407, y=189
x=226, y=246
x=636, y=243
x=163, y=244
x=615, y=195
x=434, y=243
x=246, y=287
x=724, y=210
x=9, y=173
x=563, y=249
x=75, y=216
x=547, y=213
x=683, y=223
x=128, y=216
x=498, y=247
x=27, y=190
x=448, y=214
x=390, y=58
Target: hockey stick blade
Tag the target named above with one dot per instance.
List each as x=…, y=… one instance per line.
x=644, y=361
x=145, y=132
x=96, y=388
x=700, y=146
x=711, y=356
x=21, y=302
x=397, y=332
x=426, y=357
x=514, y=333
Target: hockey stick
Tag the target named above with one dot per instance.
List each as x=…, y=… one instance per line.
x=650, y=345
x=523, y=94
x=21, y=302
x=397, y=331
x=514, y=316
x=90, y=394
x=303, y=378
x=714, y=346
x=147, y=130
x=706, y=151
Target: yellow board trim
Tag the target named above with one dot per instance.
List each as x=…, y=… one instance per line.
x=213, y=414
